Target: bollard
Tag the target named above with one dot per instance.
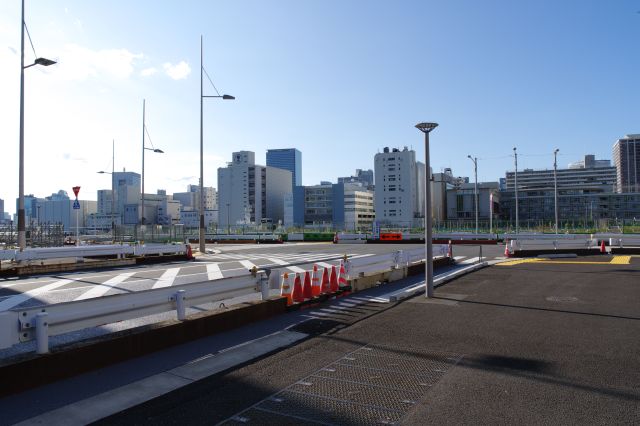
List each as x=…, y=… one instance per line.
x=42, y=333
x=480, y=257
x=181, y=309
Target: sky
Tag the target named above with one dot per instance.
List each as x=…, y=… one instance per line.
x=338, y=80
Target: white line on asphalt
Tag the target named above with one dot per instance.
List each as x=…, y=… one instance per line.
x=247, y=264
x=167, y=279
x=295, y=269
x=19, y=298
x=469, y=261
x=213, y=272
x=101, y=289
x=277, y=261
x=456, y=258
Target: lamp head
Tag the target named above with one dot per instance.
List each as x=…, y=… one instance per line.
x=426, y=127
x=556, y=151
x=159, y=151
x=44, y=62
x=228, y=97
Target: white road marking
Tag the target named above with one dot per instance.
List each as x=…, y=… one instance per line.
x=277, y=261
x=324, y=264
x=456, y=258
x=213, y=272
x=167, y=279
x=12, y=301
x=247, y=264
x=101, y=289
x=469, y=261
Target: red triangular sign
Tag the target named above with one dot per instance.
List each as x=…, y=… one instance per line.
x=76, y=189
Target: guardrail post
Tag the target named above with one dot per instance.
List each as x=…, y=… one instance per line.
x=555, y=245
x=181, y=309
x=42, y=333
x=264, y=284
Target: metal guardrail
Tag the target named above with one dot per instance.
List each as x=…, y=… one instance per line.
x=556, y=244
x=22, y=325
x=117, y=250
x=464, y=236
x=621, y=242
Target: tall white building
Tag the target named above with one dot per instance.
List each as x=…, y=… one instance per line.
x=397, y=190
x=249, y=193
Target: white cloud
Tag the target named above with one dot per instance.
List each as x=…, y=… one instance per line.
x=147, y=72
x=178, y=71
x=80, y=63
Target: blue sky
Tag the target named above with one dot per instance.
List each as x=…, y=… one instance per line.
x=339, y=80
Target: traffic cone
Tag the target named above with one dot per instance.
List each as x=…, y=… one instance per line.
x=285, y=289
x=307, y=291
x=297, y=290
x=315, y=282
x=342, y=276
x=333, y=280
x=324, y=287
x=506, y=250
x=450, y=250
x=189, y=252
x=603, y=250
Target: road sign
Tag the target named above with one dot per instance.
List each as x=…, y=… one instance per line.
x=76, y=189
x=76, y=205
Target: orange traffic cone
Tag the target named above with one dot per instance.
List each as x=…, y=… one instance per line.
x=189, y=253
x=603, y=250
x=333, y=280
x=297, y=290
x=506, y=250
x=285, y=289
x=342, y=276
x=450, y=250
x=315, y=282
x=307, y=291
x=324, y=287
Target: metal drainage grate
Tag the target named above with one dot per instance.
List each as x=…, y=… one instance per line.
x=372, y=385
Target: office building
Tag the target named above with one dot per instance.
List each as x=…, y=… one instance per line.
x=341, y=206
x=287, y=159
x=1, y=209
x=577, y=188
x=626, y=157
x=250, y=193
x=361, y=176
x=58, y=209
x=128, y=196
x=396, y=189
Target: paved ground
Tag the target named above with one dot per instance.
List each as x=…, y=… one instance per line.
x=530, y=343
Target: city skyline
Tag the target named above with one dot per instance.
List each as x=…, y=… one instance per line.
x=337, y=81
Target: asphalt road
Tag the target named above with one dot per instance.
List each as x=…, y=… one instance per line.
x=227, y=261
x=540, y=342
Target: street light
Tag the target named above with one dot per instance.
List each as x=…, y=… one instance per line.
x=475, y=189
x=113, y=188
x=22, y=234
x=228, y=222
x=144, y=148
x=555, y=185
x=426, y=128
x=515, y=154
x=201, y=235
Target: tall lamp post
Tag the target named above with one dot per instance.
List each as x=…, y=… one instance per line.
x=144, y=148
x=515, y=184
x=22, y=234
x=113, y=188
x=475, y=189
x=201, y=236
x=426, y=128
x=555, y=185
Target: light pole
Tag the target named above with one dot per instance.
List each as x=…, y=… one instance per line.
x=555, y=185
x=426, y=128
x=144, y=148
x=515, y=185
x=201, y=236
x=475, y=189
x=22, y=234
x=113, y=188
x=228, y=221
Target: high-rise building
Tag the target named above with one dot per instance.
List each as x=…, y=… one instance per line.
x=396, y=188
x=1, y=209
x=249, y=193
x=626, y=157
x=127, y=188
x=287, y=159
x=363, y=176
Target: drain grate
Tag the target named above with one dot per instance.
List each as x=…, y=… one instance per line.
x=372, y=385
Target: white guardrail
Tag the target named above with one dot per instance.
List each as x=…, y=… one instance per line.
x=622, y=242
x=21, y=325
x=548, y=244
x=117, y=250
